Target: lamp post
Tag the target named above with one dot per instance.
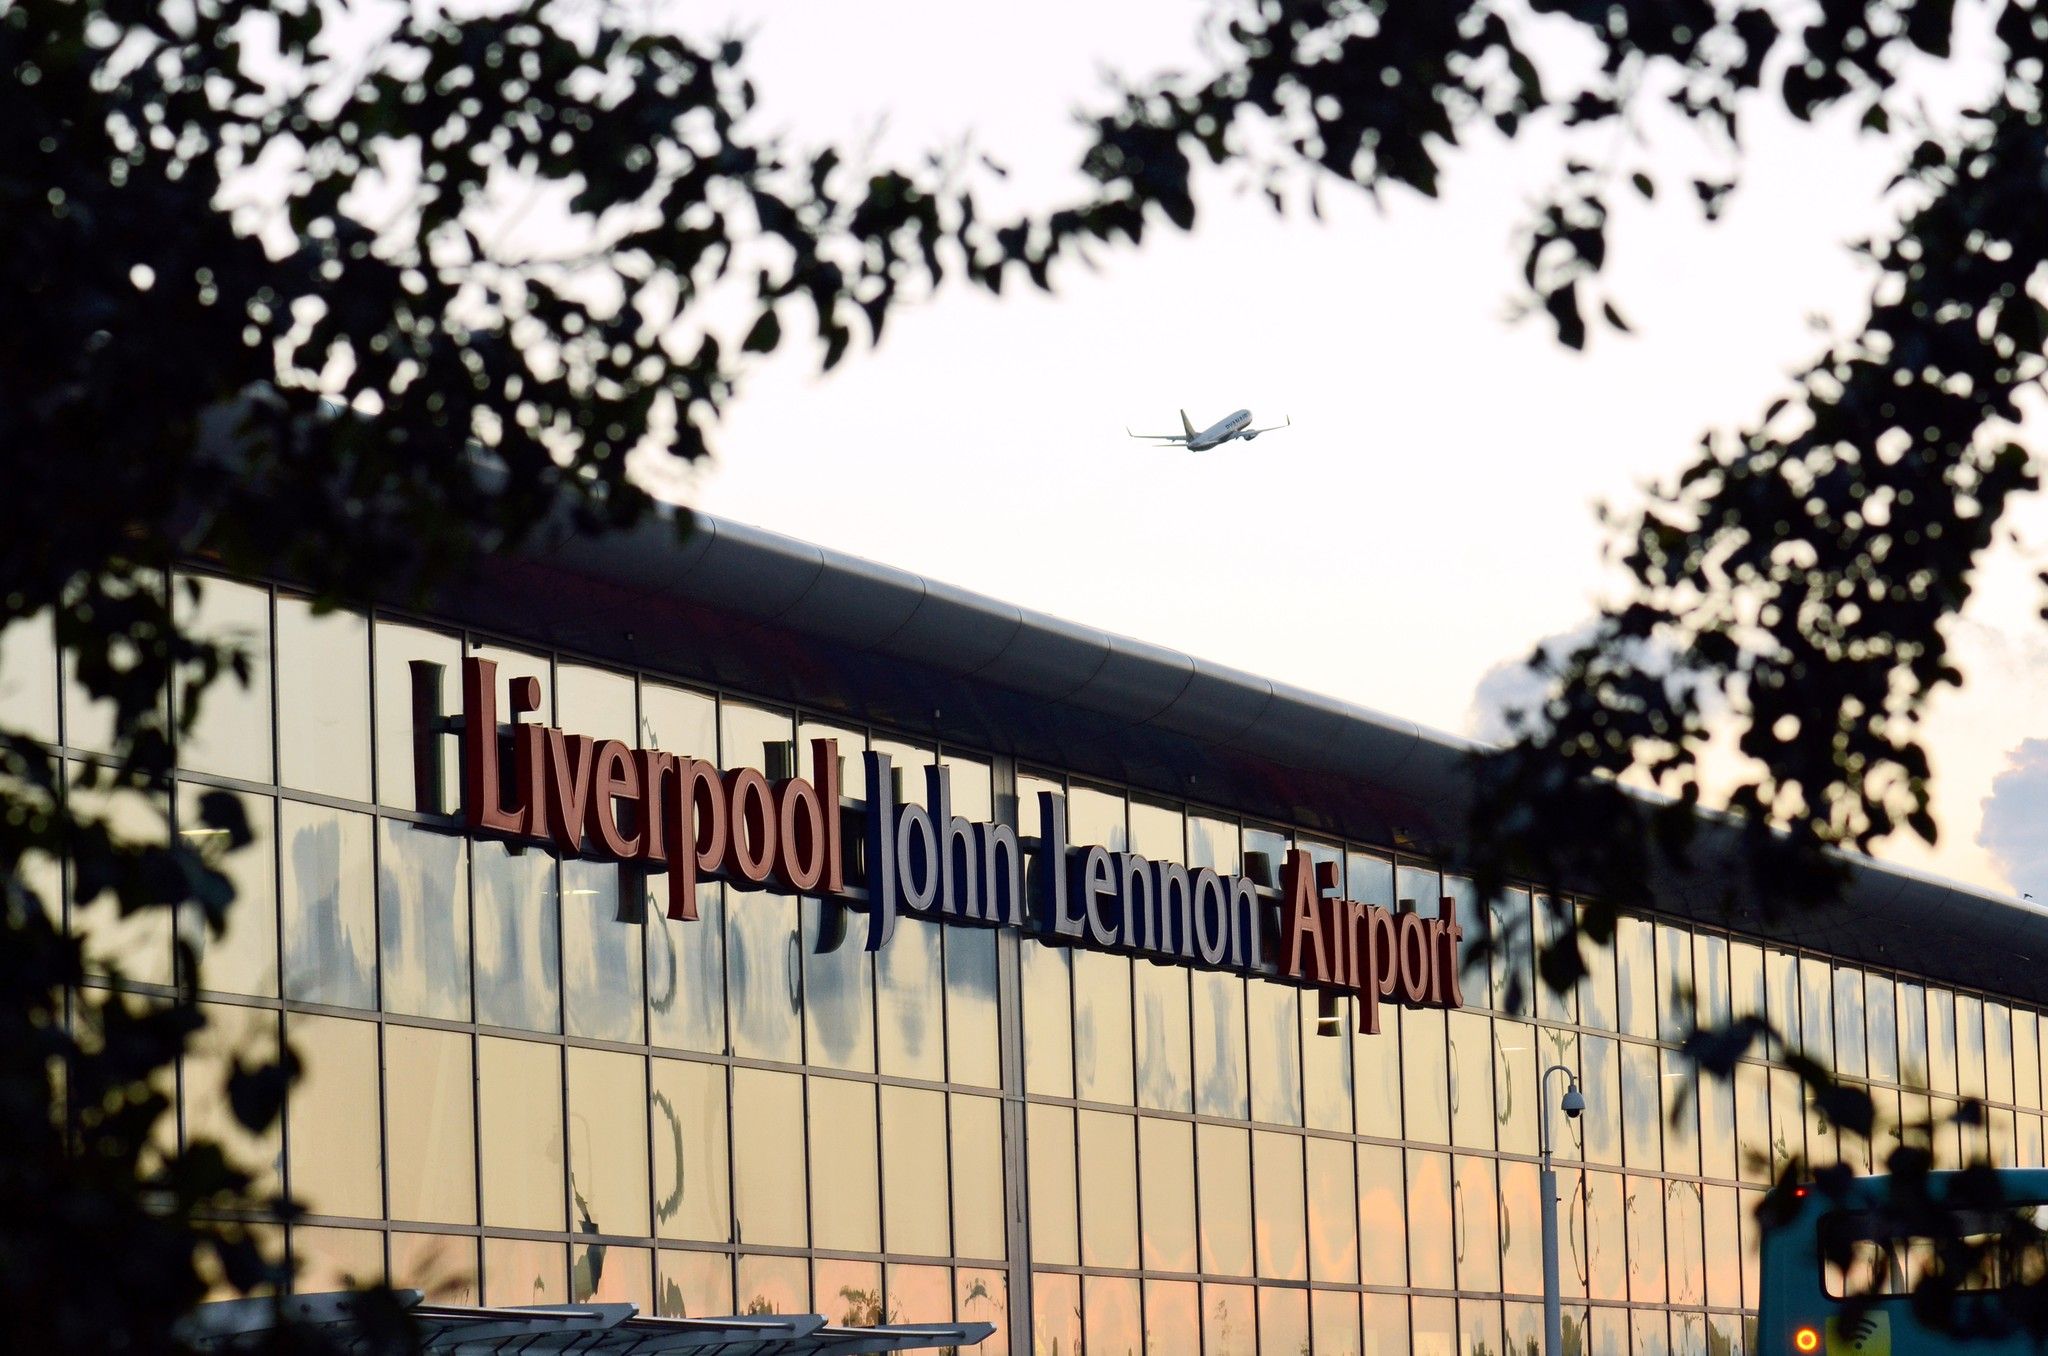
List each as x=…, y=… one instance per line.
x=1573, y=1103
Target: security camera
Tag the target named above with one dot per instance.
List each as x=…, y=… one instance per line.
x=1574, y=1102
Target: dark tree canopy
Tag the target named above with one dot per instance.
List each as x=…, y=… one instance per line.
x=299, y=386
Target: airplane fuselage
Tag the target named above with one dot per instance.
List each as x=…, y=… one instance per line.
x=1220, y=432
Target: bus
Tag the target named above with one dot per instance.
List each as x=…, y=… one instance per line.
x=1837, y=1273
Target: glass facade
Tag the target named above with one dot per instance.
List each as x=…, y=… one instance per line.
x=526, y=1084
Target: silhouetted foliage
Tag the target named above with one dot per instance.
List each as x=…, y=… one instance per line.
x=266, y=286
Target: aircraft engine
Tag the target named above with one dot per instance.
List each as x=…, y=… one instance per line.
x=1250, y=434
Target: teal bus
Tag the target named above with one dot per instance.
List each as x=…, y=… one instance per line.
x=1838, y=1273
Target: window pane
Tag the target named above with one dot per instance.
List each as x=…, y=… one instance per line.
x=1283, y=1319
x=231, y=738
x=1521, y=1228
x=1055, y=1313
x=1636, y=967
x=1723, y=1247
x=1049, y=1168
x=1913, y=1065
x=601, y=964
x=443, y=1267
x=1970, y=1046
x=1332, y=1211
x=1431, y=1248
x=518, y=951
x=323, y=700
x=973, y=1030
x=1326, y=1063
x=1164, y=1039
x=232, y=1033
x=1277, y=1192
x=1173, y=1316
x=1606, y=1248
x=1514, y=1086
x=330, y=909
x=693, y=1284
x=763, y=973
x=1677, y=994
x=910, y=1002
x=399, y=647
x=1436, y=1325
x=595, y=702
x=687, y=1111
x=769, y=1187
x=1552, y=917
x=1475, y=1222
x=423, y=887
x=1717, y=1124
x=522, y=1271
x=979, y=1214
x=608, y=1142
x=1471, y=1092
x=919, y=1294
x=1479, y=1332
x=1224, y=1195
x=1781, y=996
x=28, y=677
x=686, y=972
x=1048, y=1020
x=1600, y=1126
x=839, y=989
x=1710, y=970
x=916, y=1197
x=1110, y=1313
x=1880, y=1009
x=1376, y=1075
x=1166, y=1164
x=1229, y=1320
x=1512, y=980
x=137, y=945
x=1109, y=1189
x=774, y=1285
x=1685, y=1243
x=1817, y=1009
x=1849, y=1028
x=428, y=1121
x=335, y=1259
x=1425, y=1061
x=1642, y=1106
x=2026, y=1059
x=984, y=1297
x=1102, y=1027
x=336, y=1167
x=1643, y=1207
x=844, y=1153
x=605, y=1273
x=1221, y=1081
x=1382, y=1214
x=243, y=957
x=519, y=1087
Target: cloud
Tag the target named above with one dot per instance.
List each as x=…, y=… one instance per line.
x=2015, y=826
x=1513, y=685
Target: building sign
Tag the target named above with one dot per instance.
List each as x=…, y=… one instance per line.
x=885, y=857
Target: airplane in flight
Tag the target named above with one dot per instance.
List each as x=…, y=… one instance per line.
x=1237, y=425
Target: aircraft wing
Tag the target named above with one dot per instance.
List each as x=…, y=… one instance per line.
x=1267, y=429
x=1162, y=437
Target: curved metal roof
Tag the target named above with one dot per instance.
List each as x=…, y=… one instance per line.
x=833, y=633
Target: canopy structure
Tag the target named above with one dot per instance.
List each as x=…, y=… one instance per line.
x=596, y=1328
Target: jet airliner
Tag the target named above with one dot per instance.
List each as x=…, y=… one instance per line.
x=1237, y=425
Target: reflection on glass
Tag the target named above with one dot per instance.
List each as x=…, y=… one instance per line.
x=231, y=737
x=1049, y=1174
x=1643, y=1209
x=243, y=957
x=1283, y=1319
x=975, y=1129
x=1475, y=1230
x=1229, y=1321
x=1332, y=1211
x=1788, y=1119
x=1102, y=1027
x=1606, y=1249
x=423, y=922
x=1436, y=1324
x=764, y=973
x=607, y=1142
x=1055, y=1313
x=1222, y=1086
x=605, y=1273
x=910, y=1002
x=2026, y=1058
x=846, y=1210
x=398, y=646
x=693, y=1285
x=429, y=1125
x=1164, y=1039
x=1553, y=918
x=1376, y=1075
x=916, y=1198
x=1277, y=1192
x=28, y=677
x=519, y=1115
x=1969, y=1046
x=1716, y=1098
x=839, y=1022
x=919, y=1294
x=336, y=1168
x=1635, y=963
x=1418, y=885
x=1223, y=1185
x=1723, y=1259
x=1816, y=1007
x=1684, y=1242
x=973, y=1030
x=1710, y=971
x=1431, y=1248
x=1425, y=1076
x=1600, y=1125
x=1109, y=1189
x=1110, y=1314
x=1166, y=1186
x=1479, y=1332
x=523, y=1271
x=983, y=1296
x=595, y=702
x=686, y=1119
x=1471, y=1087
x=769, y=1183
x=518, y=950
x=1326, y=1063
x=1512, y=980
x=330, y=910
x=1173, y=1316
x=679, y=721
x=1649, y=1334
x=1598, y=1006
x=231, y=1034
x=1386, y=1324
x=1849, y=1026
x=686, y=972
x=774, y=1285
x=1746, y=980
x=1998, y=1052
x=1048, y=1020
x=323, y=700
x=1514, y=1086
x=1521, y=1228
x=1382, y=1215
x=1642, y=1106
x=442, y=1267
x=1781, y=996
x=602, y=968
x=137, y=945
x=1677, y=994
x=1275, y=1021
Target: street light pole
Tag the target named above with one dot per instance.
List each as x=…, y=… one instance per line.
x=1574, y=1103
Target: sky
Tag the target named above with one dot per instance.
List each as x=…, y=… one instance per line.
x=1430, y=517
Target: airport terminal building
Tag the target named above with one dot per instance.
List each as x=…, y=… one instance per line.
x=737, y=927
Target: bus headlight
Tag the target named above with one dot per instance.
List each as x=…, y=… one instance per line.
x=1806, y=1340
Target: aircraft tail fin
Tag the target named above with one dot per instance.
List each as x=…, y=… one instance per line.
x=1187, y=424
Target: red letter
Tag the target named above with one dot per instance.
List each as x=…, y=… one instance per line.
x=825, y=767
x=656, y=768
x=1415, y=957
x=1304, y=918
x=752, y=817
x=615, y=777
x=568, y=788
x=696, y=833
x=800, y=844
x=482, y=787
